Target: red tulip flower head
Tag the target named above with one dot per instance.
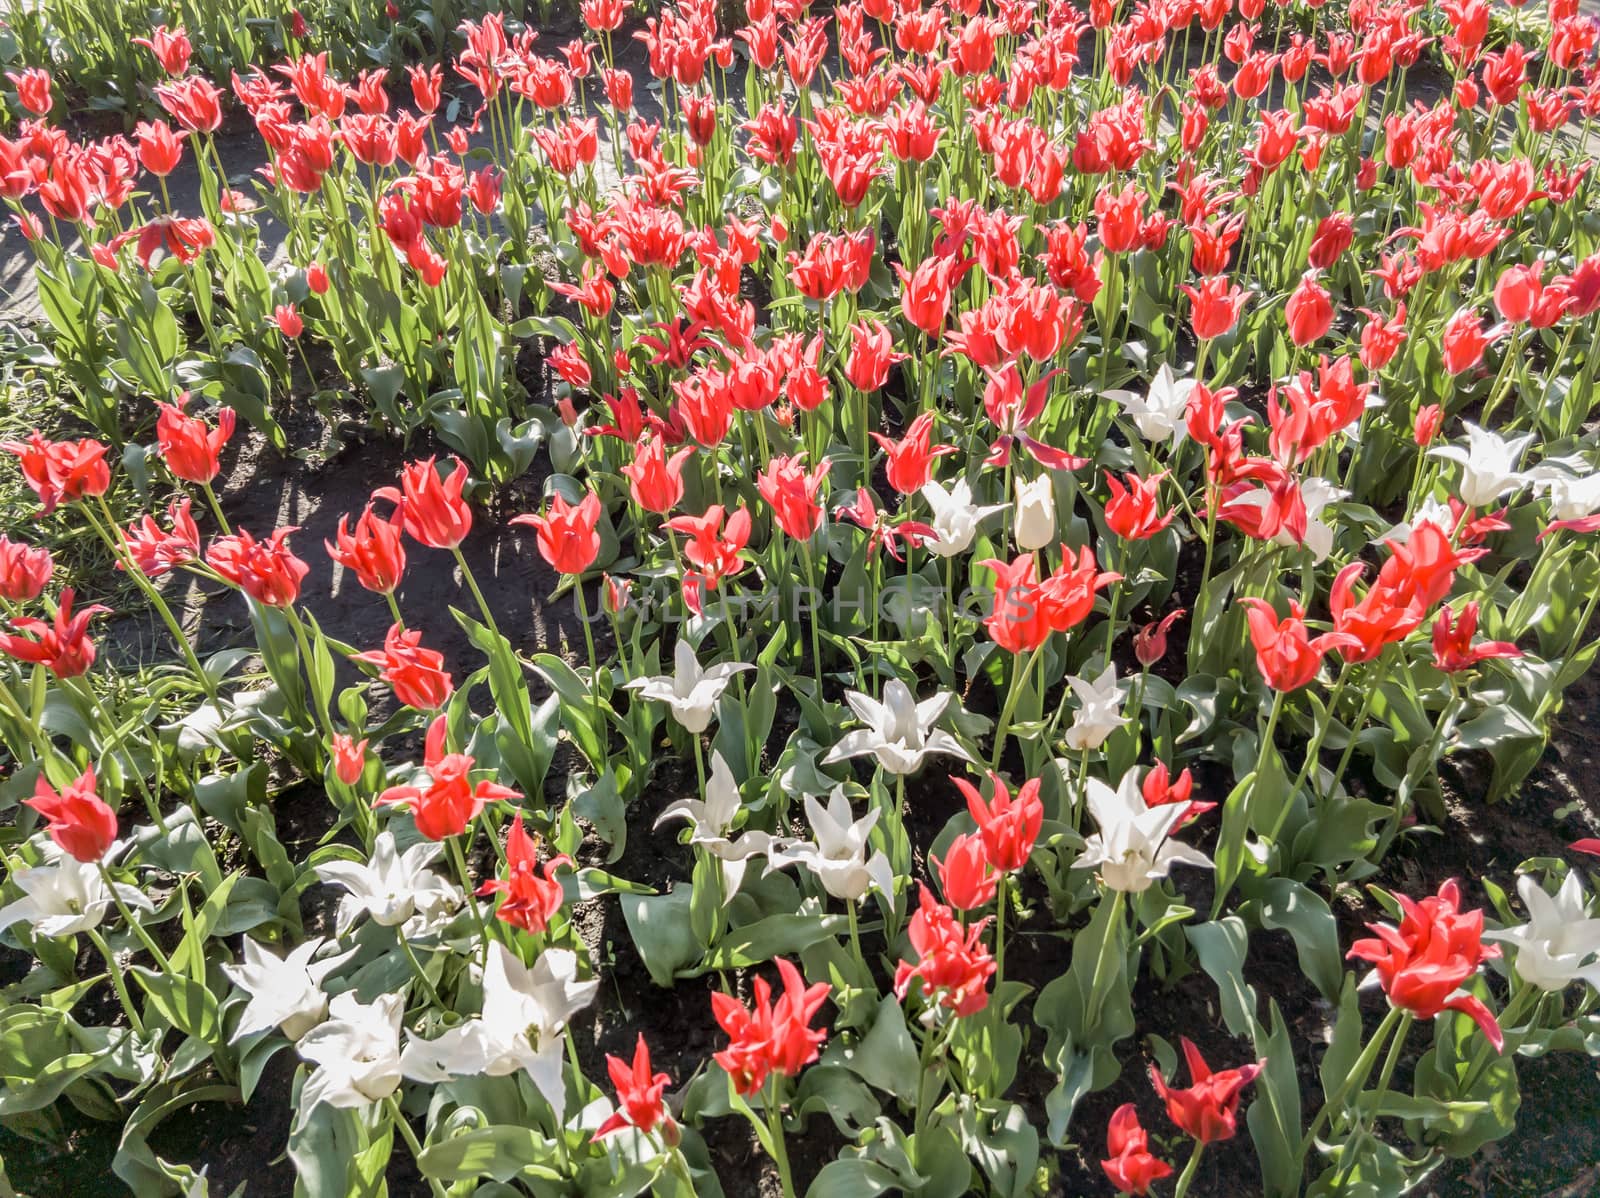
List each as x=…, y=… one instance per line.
x=1309, y=311
x=417, y=674
x=1453, y=650
x=450, y=801
x=349, y=758
x=910, y=459
x=1214, y=307
x=1008, y=825
x=657, y=480
x=1423, y=963
x=533, y=894
x=792, y=492
x=566, y=534
x=265, y=570
x=966, y=876
x=373, y=550
x=188, y=445
x=1131, y=1168
x=431, y=505
x=24, y=570
x=1286, y=653
x=1134, y=511
x=768, y=1038
x=62, y=646
x=953, y=965
x=61, y=471
x=79, y=821
x=639, y=1091
x=1208, y=1110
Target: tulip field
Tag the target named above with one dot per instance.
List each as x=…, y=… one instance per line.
x=779, y=598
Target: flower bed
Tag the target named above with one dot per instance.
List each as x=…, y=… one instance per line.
x=906, y=615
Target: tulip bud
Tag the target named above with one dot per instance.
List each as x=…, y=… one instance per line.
x=1035, y=519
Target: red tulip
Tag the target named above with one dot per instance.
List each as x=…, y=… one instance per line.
x=1150, y=642
x=1208, y=1109
x=871, y=354
x=349, y=758
x=374, y=550
x=1423, y=963
x=910, y=459
x=953, y=964
x=62, y=646
x=193, y=102
x=566, y=533
x=156, y=550
x=450, y=801
x=1215, y=307
x=657, y=480
x=61, y=471
x=432, y=508
x=532, y=893
x=1465, y=339
x=1159, y=789
x=160, y=147
x=1286, y=654
x=966, y=876
x=191, y=448
x=638, y=1090
x=1134, y=512
x=1309, y=311
x=265, y=570
x=24, y=570
x=768, y=1038
x=1009, y=826
x=33, y=90
x=170, y=47
x=792, y=492
x=80, y=822
x=1453, y=650
x=417, y=675
x=1131, y=1168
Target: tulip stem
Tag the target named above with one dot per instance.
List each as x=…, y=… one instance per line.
x=410, y=1137
x=111, y=535
x=394, y=610
x=1186, y=1178
x=416, y=968
x=483, y=606
x=780, y=1150
x=816, y=597
x=118, y=983
x=459, y=860
x=1112, y=935
x=855, y=934
x=1019, y=673
x=1000, y=930
x=1356, y=1077
x=134, y=925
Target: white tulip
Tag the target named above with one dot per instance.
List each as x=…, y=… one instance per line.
x=837, y=852
x=899, y=731
x=690, y=692
x=955, y=517
x=1560, y=943
x=1161, y=413
x=1572, y=498
x=524, y=1020
x=393, y=887
x=1132, y=849
x=1488, y=464
x=357, y=1053
x=1034, y=524
x=1099, y=712
x=712, y=817
x=285, y=992
x=65, y=896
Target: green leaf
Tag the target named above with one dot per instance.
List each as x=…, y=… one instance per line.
x=886, y=1057
x=501, y=1152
